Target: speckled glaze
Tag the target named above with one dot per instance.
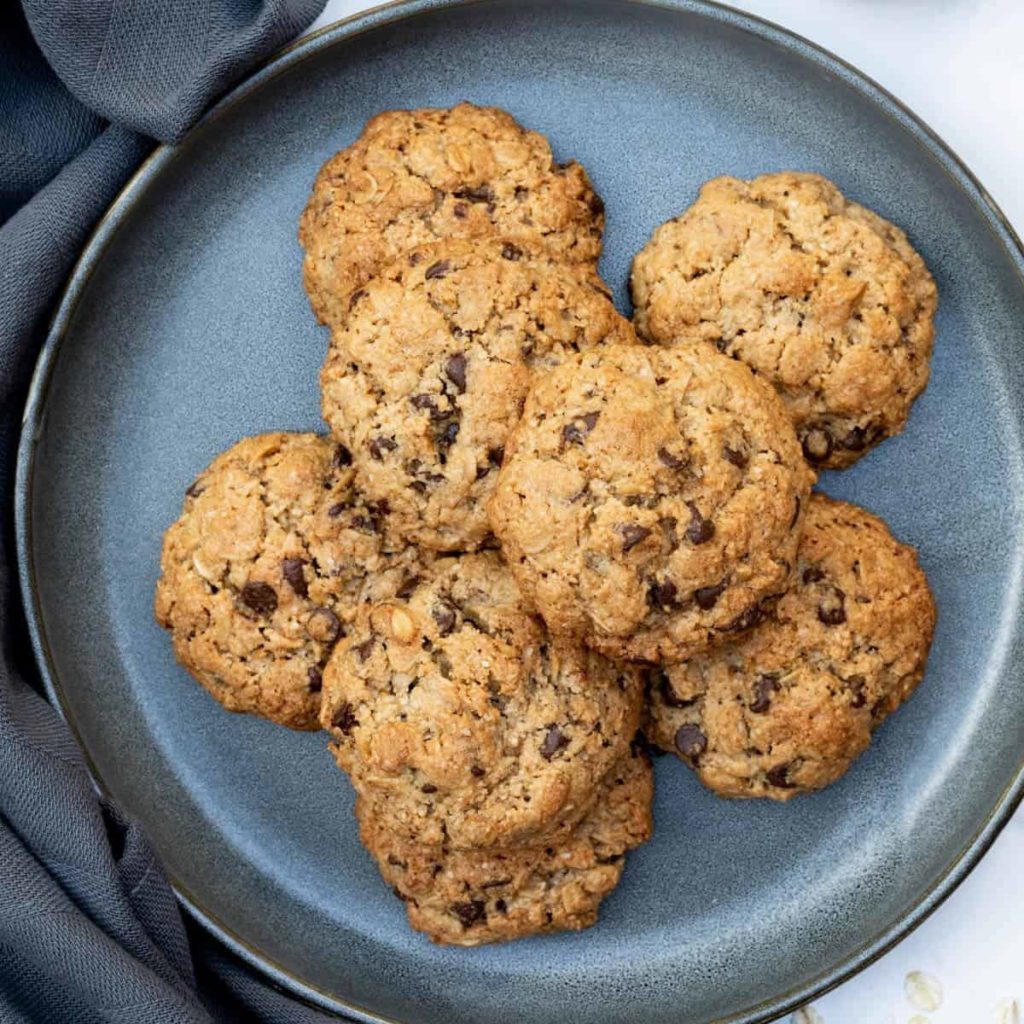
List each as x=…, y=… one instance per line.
x=185, y=327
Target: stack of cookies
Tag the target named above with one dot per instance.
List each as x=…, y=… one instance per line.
x=540, y=540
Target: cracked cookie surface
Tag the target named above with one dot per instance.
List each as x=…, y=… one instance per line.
x=822, y=297
x=463, y=723
x=651, y=499
x=470, y=897
x=264, y=569
x=428, y=377
x=789, y=708
x=415, y=176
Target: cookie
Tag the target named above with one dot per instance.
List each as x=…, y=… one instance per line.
x=462, y=723
x=470, y=897
x=821, y=297
x=415, y=176
x=789, y=708
x=651, y=499
x=264, y=569
x=428, y=376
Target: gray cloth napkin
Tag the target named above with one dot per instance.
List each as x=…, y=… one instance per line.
x=89, y=928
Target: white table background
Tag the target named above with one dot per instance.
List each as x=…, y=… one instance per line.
x=959, y=64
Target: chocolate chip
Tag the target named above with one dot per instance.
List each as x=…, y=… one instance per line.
x=444, y=615
x=344, y=718
x=260, y=597
x=670, y=460
x=777, y=776
x=746, y=619
x=425, y=403
x=831, y=608
x=470, y=912
x=428, y=788
x=380, y=444
x=554, y=741
x=316, y=679
x=737, y=458
x=662, y=596
x=707, y=597
x=342, y=456
x=817, y=444
x=460, y=210
x=511, y=252
x=596, y=204
x=323, y=625
x=409, y=585
x=632, y=535
x=495, y=456
x=438, y=269
x=764, y=687
x=812, y=574
x=291, y=569
x=856, y=440
x=194, y=488
x=477, y=772
x=575, y=432
x=479, y=194
x=856, y=685
x=700, y=530
x=455, y=371
x=336, y=510
x=364, y=649
x=501, y=906
x=690, y=741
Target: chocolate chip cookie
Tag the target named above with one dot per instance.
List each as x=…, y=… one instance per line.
x=823, y=298
x=470, y=897
x=651, y=499
x=415, y=176
x=427, y=378
x=264, y=569
x=789, y=708
x=462, y=723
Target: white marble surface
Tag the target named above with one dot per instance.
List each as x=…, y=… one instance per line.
x=959, y=64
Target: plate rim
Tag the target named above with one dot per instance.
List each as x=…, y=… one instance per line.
x=771, y=1007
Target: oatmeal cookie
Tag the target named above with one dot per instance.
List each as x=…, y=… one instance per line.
x=470, y=897
x=429, y=375
x=821, y=297
x=415, y=176
x=462, y=723
x=651, y=499
x=264, y=569
x=790, y=707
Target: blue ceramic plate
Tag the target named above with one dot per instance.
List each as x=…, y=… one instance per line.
x=186, y=327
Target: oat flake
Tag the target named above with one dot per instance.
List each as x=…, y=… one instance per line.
x=923, y=990
x=1008, y=1012
x=807, y=1015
